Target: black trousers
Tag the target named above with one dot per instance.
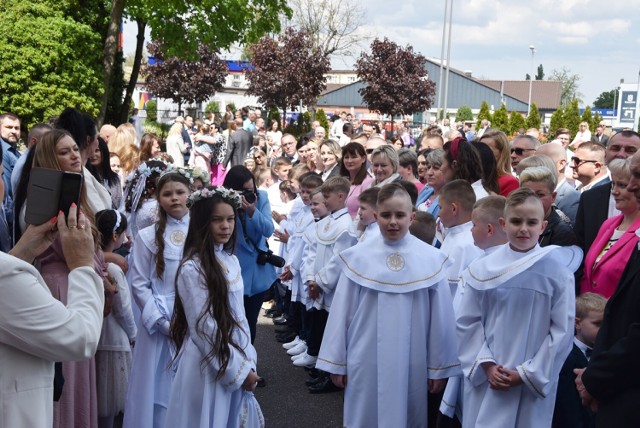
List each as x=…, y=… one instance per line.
x=318, y=321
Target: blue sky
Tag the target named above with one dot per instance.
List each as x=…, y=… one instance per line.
x=597, y=40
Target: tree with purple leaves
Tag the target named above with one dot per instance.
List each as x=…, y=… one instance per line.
x=287, y=70
x=182, y=80
x=396, y=78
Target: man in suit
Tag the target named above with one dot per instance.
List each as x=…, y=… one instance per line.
x=597, y=205
x=289, y=146
x=610, y=384
x=240, y=141
x=600, y=136
x=567, y=197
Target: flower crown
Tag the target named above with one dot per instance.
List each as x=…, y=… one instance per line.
x=229, y=196
x=192, y=174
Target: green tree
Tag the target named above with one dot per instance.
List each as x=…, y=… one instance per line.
x=588, y=117
x=212, y=107
x=48, y=61
x=572, y=117
x=540, y=73
x=516, y=121
x=501, y=119
x=596, y=120
x=557, y=121
x=570, y=85
x=464, y=113
x=321, y=117
x=484, y=113
x=607, y=99
x=534, y=120
x=152, y=110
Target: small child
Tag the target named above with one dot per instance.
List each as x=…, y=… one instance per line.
x=286, y=194
x=113, y=358
x=515, y=322
x=391, y=323
x=424, y=227
x=332, y=237
x=487, y=233
x=367, y=227
x=456, y=204
x=569, y=411
x=215, y=360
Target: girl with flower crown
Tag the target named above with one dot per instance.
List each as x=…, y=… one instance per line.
x=216, y=362
x=156, y=255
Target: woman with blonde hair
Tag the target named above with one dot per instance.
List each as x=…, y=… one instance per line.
x=121, y=138
x=176, y=146
x=499, y=145
x=129, y=160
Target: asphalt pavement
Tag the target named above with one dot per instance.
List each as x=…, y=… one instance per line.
x=285, y=401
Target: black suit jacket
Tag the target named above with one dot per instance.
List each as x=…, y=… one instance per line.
x=240, y=141
x=593, y=210
x=569, y=411
x=603, y=139
x=613, y=376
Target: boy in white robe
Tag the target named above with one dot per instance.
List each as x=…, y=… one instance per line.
x=487, y=233
x=332, y=237
x=515, y=324
x=389, y=335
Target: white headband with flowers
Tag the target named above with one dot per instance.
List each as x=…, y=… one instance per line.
x=230, y=196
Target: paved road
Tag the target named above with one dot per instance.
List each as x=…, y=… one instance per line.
x=285, y=401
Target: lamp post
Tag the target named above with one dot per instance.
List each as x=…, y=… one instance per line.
x=533, y=51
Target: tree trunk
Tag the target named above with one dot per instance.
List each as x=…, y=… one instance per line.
x=135, y=72
x=109, y=54
x=284, y=117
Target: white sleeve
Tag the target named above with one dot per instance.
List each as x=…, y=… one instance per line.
x=122, y=311
x=36, y=323
x=143, y=260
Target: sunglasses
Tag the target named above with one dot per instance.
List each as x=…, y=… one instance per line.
x=577, y=161
x=519, y=152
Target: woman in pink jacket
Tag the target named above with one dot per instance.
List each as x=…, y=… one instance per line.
x=608, y=255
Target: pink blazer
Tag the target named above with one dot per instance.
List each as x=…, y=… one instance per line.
x=604, y=277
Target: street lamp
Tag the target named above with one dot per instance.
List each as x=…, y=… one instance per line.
x=533, y=51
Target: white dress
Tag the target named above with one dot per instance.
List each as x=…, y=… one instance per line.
x=390, y=329
x=198, y=399
x=518, y=311
x=150, y=380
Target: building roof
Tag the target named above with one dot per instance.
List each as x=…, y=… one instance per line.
x=546, y=94
x=332, y=87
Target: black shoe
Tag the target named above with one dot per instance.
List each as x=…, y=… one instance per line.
x=261, y=383
x=323, y=387
x=272, y=313
x=284, y=328
x=314, y=373
x=314, y=381
x=281, y=320
x=286, y=337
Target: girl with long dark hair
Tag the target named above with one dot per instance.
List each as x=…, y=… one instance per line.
x=216, y=362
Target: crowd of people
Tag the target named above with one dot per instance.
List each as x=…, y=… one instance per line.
x=493, y=277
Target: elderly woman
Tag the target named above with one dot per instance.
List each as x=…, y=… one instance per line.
x=608, y=255
x=330, y=154
x=384, y=164
x=499, y=145
x=354, y=167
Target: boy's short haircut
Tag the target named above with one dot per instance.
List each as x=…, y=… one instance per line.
x=519, y=197
x=263, y=174
x=539, y=174
x=369, y=196
x=285, y=186
x=411, y=189
x=315, y=192
x=310, y=180
x=336, y=185
x=280, y=162
x=490, y=208
x=459, y=192
x=388, y=191
x=424, y=227
x=408, y=158
x=589, y=302
x=297, y=171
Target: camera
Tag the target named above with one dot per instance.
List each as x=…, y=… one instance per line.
x=265, y=257
x=250, y=196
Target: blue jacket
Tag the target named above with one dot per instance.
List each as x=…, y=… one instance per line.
x=257, y=278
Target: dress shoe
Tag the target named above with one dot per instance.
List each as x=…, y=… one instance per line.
x=284, y=328
x=305, y=361
x=273, y=313
x=314, y=381
x=322, y=387
x=280, y=320
x=291, y=344
x=285, y=337
x=298, y=349
x=261, y=383
x=314, y=373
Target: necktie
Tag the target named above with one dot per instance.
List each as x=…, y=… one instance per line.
x=588, y=353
